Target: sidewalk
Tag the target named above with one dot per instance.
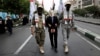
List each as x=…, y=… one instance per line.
x=88, y=20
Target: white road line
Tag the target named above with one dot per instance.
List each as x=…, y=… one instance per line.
x=22, y=46
x=88, y=42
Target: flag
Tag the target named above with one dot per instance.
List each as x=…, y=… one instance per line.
x=53, y=5
x=60, y=9
x=43, y=3
x=32, y=9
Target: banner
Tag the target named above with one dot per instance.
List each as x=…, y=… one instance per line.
x=32, y=9
x=53, y=5
x=60, y=9
x=43, y=3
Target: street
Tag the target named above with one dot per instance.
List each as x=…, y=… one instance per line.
x=18, y=18
x=22, y=43
x=91, y=27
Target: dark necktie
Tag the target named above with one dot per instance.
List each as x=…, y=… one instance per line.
x=52, y=19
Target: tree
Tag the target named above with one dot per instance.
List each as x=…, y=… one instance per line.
x=11, y=5
x=14, y=6
x=24, y=6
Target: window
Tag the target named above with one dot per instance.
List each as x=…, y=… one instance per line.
x=79, y=2
x=79, y=6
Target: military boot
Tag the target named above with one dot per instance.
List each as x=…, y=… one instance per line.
x=42, y=49
x=66, y=49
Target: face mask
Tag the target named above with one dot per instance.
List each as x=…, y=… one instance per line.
x=39, y=14
x=39, y=11
x=68, y=7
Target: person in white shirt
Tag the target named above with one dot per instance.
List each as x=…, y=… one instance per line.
x=67, y=23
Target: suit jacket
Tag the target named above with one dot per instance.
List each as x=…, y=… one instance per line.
x=49, y=21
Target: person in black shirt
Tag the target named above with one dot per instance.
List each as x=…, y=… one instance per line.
x=2, y=25
x=9, y=24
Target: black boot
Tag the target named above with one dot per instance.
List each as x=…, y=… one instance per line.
x=55, y=49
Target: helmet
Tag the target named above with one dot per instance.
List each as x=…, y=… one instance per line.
x=40, y=6
x=67, y=2
x=68, y=5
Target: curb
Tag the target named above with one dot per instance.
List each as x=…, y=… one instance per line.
x=17, y=24
x=89, y=34
x=88, y=22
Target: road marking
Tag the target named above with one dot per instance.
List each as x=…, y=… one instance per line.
x=88, y=42
x=16, y=29
x=22, y=46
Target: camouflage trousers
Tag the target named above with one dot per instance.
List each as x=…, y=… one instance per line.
x=40, y=36
x=65, y=33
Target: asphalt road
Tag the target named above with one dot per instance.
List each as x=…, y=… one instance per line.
x=90, y=27
x=22, y=43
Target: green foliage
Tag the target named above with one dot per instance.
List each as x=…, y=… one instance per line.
x=14, y=6
x=88, y=10
x=24, y=4
x=95, y=10
x=92, y=9
x=80, y=12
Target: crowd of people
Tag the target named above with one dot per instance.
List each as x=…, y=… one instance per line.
x=8, y=23
x=40, y=21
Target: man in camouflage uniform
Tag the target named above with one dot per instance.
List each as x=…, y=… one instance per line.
x=38, y=26
x=67, y=23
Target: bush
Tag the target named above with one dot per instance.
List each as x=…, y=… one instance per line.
x=80, y=12
x=95, y=10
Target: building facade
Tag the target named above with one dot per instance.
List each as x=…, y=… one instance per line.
x=85, y=3
x=78, y=4
x=97, y=2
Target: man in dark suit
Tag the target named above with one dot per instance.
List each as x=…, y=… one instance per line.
x=52, y=23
